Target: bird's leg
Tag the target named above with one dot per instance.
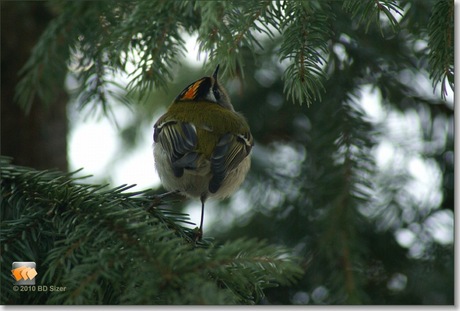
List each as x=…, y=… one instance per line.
x=200, y=230
x=202, y=198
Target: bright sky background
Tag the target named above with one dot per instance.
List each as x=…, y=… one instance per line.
x=93, y=142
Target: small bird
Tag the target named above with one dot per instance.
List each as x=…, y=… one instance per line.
x=201, y=145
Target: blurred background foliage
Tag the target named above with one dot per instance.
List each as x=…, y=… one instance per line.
x=360, y=183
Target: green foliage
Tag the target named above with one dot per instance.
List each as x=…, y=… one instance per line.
x=305, y=35
x=110, y=246
x=314, y=184
x=145, y=39
x=226, y=29
x=441, y=43
x=369, y=11
x=45, y=70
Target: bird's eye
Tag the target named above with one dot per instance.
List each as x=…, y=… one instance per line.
x=216, y=93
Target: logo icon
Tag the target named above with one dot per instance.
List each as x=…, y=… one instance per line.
x=24, y=272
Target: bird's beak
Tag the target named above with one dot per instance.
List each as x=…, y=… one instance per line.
x=214, y=75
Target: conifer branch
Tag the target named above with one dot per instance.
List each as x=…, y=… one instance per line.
x=369, y=11
x=304, y=45
x=107, y=36
x=441, y=44
x=110, y=246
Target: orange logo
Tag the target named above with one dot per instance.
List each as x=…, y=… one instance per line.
x=24, y=273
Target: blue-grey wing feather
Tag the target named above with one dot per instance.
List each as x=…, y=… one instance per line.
x=230, y=150
x=179, y=139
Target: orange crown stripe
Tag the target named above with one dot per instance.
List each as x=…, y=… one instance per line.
x=191, y=91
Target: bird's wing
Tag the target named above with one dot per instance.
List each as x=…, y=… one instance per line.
x=230, y=150
x=179, y=140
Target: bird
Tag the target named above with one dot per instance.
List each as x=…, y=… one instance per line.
x=202, y=146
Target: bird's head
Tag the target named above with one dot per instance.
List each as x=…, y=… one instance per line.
x=206, y=89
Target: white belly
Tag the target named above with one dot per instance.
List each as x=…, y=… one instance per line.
x=195, y=183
